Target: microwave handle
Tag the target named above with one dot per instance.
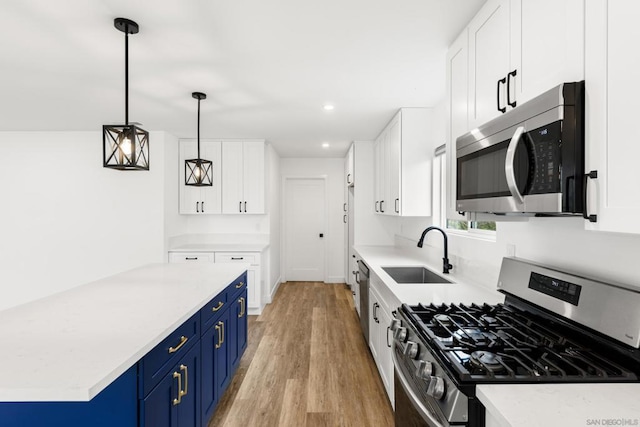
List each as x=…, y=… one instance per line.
x=508, y=165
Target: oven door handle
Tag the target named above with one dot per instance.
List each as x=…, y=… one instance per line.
x=509, y=171
x=424, y=413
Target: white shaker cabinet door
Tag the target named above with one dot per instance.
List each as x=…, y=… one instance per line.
x=211, y=196
x=489, y=49
x=458, y=111
x=199, y=200
x=545, y=59
x=232, y=183
x=190, y=197
x=612, y=91
x=253, y=177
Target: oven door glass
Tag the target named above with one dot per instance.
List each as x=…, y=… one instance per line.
x=405, y=413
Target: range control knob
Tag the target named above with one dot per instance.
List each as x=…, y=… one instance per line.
x=400, y=334
x=395, y=324
x=411, y=349
x=425, y=370
x=436, y=388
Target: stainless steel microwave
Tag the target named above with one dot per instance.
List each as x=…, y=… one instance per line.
x=529, y=160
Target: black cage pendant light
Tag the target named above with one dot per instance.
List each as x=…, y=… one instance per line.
x=125, y=147
x=198, y=172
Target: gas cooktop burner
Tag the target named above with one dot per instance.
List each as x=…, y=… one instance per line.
x=487, y=360
x=443, y=319
x=489, y=343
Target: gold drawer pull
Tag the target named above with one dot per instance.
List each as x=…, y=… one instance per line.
x=177, y=400
x=220, y=304
x=186, y=381
x=242, y=307
x=239, y=285
x=183, y=340
x=219, y=343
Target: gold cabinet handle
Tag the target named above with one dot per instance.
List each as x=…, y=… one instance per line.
x=220, y=304
x=239, y=285
x=219, y=343
x=177, y=400
x=186, y=381
x=222, y=323
x=183, y=340
x=241, y=301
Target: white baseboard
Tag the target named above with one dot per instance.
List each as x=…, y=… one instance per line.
x=274, y=288
x=335, y=279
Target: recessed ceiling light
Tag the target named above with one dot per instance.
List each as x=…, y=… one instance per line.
x=328, y=107
x=325, y=145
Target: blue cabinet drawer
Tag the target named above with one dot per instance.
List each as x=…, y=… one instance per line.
x=238, y=286
x=211, y=312
x=155, y=364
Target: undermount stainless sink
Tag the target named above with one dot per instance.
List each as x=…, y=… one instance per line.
x=414, y=275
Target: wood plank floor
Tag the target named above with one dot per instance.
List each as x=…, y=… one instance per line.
x=306, y=364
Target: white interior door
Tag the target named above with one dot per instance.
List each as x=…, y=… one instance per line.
x=304, y=227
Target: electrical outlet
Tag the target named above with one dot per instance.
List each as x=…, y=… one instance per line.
x=511, y=250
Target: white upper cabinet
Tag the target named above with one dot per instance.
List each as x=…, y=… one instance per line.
x=350, y=167
x=547, y=45
x=612, y=89
x=489, y=44
x=458, y=113
x=403, y=154
x=518, y=49
x=243, y=177
x=200, y=200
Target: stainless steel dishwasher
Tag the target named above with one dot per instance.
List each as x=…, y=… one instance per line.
x=362, y=277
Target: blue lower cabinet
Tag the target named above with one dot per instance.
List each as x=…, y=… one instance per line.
x=175, y=401
x=116, y=405
x=238, y=330
x=216, y=372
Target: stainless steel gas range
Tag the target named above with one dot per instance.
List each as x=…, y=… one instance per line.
x=554, y=327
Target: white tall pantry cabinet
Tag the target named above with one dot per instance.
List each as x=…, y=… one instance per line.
x=613, y=89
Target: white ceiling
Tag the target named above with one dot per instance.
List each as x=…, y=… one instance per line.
x=267, y=66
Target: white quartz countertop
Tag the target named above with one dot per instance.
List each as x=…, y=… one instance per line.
x=220, y=247
x=461, y=291
x=72, y=345
x=565, y=405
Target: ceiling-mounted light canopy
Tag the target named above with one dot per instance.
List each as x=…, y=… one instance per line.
x=125, y=147
x=198, y=172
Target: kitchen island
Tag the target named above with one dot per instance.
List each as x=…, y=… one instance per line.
x=81, y=344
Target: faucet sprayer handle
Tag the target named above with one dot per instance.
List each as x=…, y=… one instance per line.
x=446, y=266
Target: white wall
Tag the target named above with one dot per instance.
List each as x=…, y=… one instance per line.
x=174, y=223
x=65, y=220
x=273, y=206
x=333, y=168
